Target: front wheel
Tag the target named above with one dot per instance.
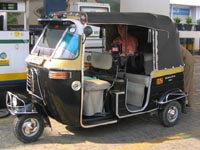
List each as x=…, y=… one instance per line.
x=170, y=115
x=28, y=128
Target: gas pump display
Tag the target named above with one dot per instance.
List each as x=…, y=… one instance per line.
x=8, y=6
x=14, y=46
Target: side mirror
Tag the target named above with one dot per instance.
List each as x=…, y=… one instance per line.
x=87, y=31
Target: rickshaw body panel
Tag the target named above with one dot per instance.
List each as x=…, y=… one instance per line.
x=163, y=84
x=62, y=103
x=65, y=104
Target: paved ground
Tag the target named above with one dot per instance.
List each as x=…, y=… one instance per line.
x=137, y=133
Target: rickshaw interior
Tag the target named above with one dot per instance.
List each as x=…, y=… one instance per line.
x=123, y=80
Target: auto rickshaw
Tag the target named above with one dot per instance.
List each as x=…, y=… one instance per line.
x=81, y=79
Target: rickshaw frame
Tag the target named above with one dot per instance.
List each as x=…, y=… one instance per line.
x=163, y=85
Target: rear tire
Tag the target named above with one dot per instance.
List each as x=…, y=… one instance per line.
x=28, y=128
x=170, y=115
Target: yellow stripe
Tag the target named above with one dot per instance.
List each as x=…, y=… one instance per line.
x=160, y=73
x=13, y=76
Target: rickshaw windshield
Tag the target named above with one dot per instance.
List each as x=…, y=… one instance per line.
x=49, y=39
x=68, y=47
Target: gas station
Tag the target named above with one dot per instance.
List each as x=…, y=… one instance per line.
x=14, y=46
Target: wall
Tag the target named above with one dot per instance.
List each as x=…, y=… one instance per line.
x=186, y=2
x=34, y=14
x=151, y=6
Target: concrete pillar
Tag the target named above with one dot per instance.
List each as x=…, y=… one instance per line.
x=195, y=13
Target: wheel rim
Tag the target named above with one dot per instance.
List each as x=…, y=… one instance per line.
x=172, y=114
x=30, y=127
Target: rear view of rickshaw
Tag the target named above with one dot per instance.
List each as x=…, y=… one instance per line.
x=69, y=81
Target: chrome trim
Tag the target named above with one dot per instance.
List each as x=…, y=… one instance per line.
x=172, y=114
x=30, y=127
x=139, y=113
x=129, y=115
x=117, y=102
x=82, y=82
x=30, y=84
x=17, y=105
x=154, y=52
x=76, y=69
x=179, y=93
x=147, y=99
x=40, y=37
x=63, y=69
x=134, y=114
x=100, y=124
x=82, y=98
x=156, y=49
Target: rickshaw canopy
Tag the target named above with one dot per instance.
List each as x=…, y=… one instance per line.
x=167, y=48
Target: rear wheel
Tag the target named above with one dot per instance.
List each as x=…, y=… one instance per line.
x=28, y=128
x=170, y=115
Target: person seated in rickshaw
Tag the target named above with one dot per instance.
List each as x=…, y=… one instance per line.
x=132, y=43
x=129, y=47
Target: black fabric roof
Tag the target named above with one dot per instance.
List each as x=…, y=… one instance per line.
x=138, y=19
x=168, y=41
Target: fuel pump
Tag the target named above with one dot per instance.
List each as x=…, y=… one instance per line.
x=14, y=47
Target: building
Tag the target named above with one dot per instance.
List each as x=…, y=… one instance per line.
x=185, y=8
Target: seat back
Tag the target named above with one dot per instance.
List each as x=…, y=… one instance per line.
x=101, y=60
x=135, y=94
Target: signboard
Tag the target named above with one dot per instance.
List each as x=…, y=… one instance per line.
x=94, y=9
x=89, y=7
x=8, y=6
x=4, y=61
x=18, y=6
x=181, y=11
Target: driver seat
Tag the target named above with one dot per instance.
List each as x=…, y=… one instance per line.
x=94, y=88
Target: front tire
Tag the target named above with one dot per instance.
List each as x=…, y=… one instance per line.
x=170, y=115
x=28, y=128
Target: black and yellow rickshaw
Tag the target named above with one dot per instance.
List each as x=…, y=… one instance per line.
x=76, y=77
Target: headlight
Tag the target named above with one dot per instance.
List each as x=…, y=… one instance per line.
x=76, y=85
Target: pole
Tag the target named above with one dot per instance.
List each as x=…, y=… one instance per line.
x=26, y=16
